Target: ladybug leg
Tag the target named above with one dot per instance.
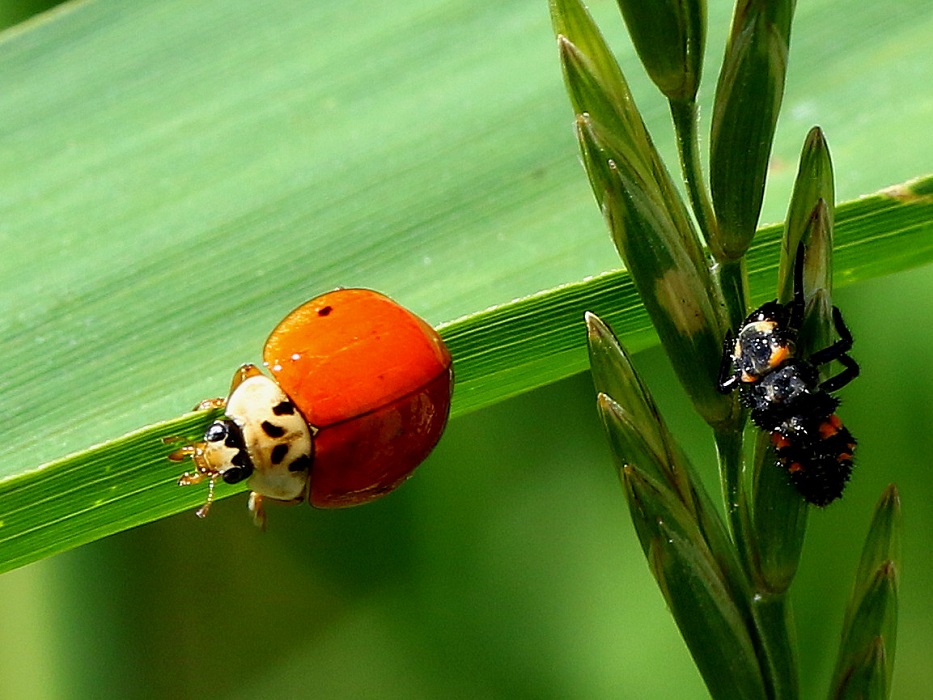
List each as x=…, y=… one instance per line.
x=850, y=372
x=189, y=478
x=255, y=507
x=202, y=470
x=728, y=378
x=256, y=501
x=188, y=450
x=797, y=304
x=243, y=373
x=203, y=510
x=838, y=349
x=196, y=477
x=210, y=404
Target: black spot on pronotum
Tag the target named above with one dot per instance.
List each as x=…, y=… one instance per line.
x=241, y=469
x=272, y=430
x=241, y=459
x=234, y=435
x=278, y=453
x=285, y=408
x=300, y=464
x=235, y=475
x=325, y=310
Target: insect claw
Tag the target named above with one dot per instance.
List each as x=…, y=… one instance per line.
x=259, y=513
x=181, y=454
x=210, y=404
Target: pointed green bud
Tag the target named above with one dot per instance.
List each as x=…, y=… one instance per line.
x=678, y=294
x=875, y=618
x=595, y=82
x=745, y=111
x=649, y=221
x=652, y=502
x=680, y=532
x=628, y=409
x=666, y=466
x=883, y=542
x=814, y=183
x=710, y=621
x=867, y=677
x=818, y=329
x=669, y=36
x=632, y=440
x=779, y=515
x=598, y=89
x=614, y=375
x=872, y=611
x=817, y=237
x=639, y=440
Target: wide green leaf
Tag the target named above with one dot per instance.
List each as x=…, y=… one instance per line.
x=175, y=177
x=498, y=353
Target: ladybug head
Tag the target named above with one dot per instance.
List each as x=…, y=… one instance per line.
x=262, y=440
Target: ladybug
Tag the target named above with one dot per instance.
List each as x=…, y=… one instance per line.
x=786, y=396
x=359, y=396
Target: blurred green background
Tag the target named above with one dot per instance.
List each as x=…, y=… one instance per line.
x=506, y=568
x=16, y=11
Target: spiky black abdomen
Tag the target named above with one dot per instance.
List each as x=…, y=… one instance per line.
x=817, y=458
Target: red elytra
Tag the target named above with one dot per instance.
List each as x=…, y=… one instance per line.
x=372, y=380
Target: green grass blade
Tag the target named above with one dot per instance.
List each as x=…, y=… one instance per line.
x=175, y=177
x=498, y=353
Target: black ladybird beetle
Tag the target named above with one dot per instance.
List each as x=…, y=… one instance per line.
x=787, y=398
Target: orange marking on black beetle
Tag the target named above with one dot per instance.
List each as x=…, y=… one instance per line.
x=779, y=440
x=778, y=355
x=795, y=467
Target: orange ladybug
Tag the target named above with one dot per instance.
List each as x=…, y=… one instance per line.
x=359, y=396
